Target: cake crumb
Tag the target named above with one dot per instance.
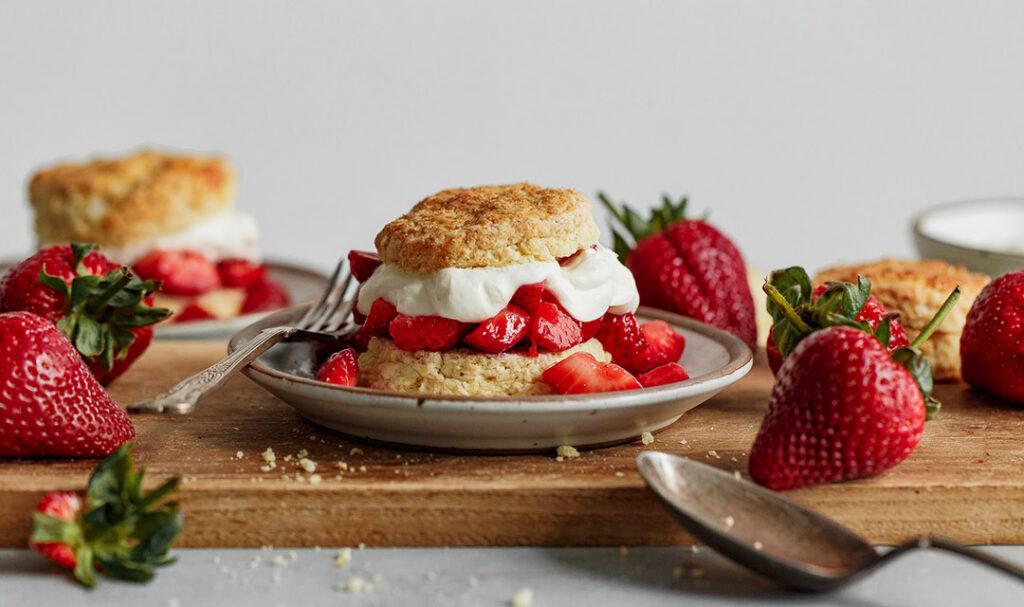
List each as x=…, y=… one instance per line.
x=356, y=451
x=430, y=576
x=314, y=479
x=758, y=545
x=302, y=453
x=623, y=552
x=620, y=474
x=566, y=452
x=341, y=465
x=239, y=455
x=307, y=464
x=354, y=585
x=729, y=521
x=714, y=454
x=523, y=598
x=737, y=474
x=342, y=559
x=646, y=438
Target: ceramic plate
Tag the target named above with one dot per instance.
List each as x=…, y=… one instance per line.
x=302, y=285
x=714, y=359
x=985, y=235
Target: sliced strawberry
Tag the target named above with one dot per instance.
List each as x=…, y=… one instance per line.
x=581, y=373
x=264, y=295
x=382, y=312
x=665, y=374
x=434, y=333
x=342, y=369
x=179, y=272
x=621, y=337
x=665, y=343
x=240, y=273
x=553, y=330
x=590, y=329
x=363, y=264
x=193, y=312
x=528, y=297
x=500, y=332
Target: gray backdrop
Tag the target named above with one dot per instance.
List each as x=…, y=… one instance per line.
x=812, y=130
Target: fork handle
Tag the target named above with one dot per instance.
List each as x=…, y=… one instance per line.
x=182, y=398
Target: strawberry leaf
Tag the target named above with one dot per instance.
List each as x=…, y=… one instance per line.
x=125, y=532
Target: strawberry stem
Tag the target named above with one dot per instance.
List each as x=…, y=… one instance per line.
x=109, y=294
x=779, y=300
x=940, y=315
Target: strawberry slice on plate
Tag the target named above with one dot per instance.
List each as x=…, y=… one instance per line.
x=363, y=264
x=433, y=333
x=582, y=373
x=341, y=369
x=264, y=295
x=663, y=340
x=240, y=273
x=184, y=273
x=665, y=374
x=193, y=312
x=500, y=332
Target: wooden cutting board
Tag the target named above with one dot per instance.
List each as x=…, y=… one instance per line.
x=965, y=480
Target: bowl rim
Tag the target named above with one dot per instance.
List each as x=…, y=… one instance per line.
x=919, y=233
x=740, y=360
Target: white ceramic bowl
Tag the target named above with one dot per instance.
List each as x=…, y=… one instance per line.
x=985, y=235
x=714, y=358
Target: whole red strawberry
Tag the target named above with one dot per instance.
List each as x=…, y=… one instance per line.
x=838, y=303
x=843, y=405
x=50, y=403
x=686, y=266
x=842, y=408
x=103, y=309
x=119, y=531
x=991, y=351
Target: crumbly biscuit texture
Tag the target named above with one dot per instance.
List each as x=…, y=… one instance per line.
x=915, y=289
x=118, y=201
x=488, y=226
x=461, y=372
x=943, y=352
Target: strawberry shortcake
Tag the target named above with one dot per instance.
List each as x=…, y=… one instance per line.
x=498, y=291
x=169, y=216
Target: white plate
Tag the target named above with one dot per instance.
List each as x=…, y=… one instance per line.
x=985, y=235
x=715, y=359
x=302, y=285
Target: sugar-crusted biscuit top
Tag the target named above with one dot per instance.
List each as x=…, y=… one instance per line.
x=488, y=226
x=116, y=201
x=915, y=288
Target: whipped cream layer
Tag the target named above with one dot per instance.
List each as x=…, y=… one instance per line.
x=229, y=234
x=592, y=283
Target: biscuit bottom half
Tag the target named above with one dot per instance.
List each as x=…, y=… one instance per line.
x=461, y=372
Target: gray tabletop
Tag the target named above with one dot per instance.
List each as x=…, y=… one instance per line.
x=454, y=577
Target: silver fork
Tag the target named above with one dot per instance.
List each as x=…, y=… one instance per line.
x=325, y=319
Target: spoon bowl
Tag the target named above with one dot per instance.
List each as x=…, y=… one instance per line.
x=768, y=533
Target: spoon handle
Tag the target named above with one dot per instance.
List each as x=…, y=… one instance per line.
x=944, y=543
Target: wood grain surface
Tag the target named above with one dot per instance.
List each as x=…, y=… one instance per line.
x=965, y=480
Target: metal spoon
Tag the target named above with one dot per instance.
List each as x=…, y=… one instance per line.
x=770, y=534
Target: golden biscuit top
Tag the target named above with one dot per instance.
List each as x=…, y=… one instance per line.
x=915, y=288
x=114, y=201
x=488, y=226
